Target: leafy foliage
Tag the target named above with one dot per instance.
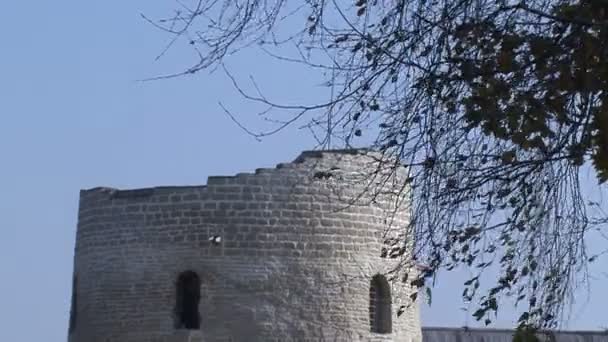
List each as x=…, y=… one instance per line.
x=526, y=334
x=493, y=105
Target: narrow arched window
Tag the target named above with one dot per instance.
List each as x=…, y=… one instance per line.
x=380, y=317
x=74, y=307
x=188, y=295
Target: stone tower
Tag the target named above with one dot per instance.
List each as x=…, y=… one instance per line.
x=291, y=253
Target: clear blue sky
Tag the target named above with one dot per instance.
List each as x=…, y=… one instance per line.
x=72, y=116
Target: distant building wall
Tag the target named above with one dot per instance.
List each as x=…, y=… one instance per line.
x=291, y=259
x=431, y=334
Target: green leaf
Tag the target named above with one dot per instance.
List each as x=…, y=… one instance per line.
x=479, y=314
x=524, y=317
x=401, y=310
x=493, y=304
x=508, y=157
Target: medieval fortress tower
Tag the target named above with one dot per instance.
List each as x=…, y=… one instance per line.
x=292, y=253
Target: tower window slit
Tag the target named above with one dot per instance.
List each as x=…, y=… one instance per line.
x=187, y=300
x=380, y=305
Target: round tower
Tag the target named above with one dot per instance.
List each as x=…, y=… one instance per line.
x=292, y=253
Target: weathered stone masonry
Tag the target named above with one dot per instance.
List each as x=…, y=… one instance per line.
x=294, y=260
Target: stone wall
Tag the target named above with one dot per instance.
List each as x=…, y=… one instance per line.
x=298, y=249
